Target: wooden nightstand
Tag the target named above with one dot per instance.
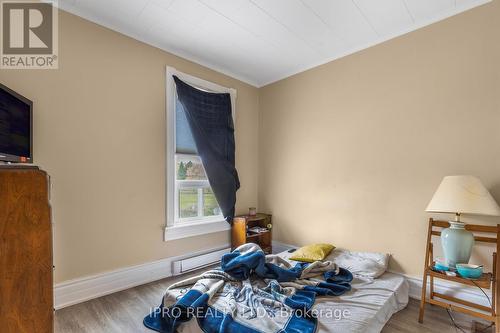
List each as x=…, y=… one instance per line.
x=240, y=234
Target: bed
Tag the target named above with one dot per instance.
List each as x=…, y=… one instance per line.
x=366, y=308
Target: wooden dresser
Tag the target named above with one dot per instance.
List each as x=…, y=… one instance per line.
x=240, y=233
x=26, y=269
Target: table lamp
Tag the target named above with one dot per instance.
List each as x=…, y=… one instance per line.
x=461, y=195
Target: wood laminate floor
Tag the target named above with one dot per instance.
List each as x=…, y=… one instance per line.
x=123, y=311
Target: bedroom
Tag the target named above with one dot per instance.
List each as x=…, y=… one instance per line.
x=347, y=117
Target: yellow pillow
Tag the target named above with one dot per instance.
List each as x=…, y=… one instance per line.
x=312, y=253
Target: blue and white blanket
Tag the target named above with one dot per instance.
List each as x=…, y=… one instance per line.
x=251, y=293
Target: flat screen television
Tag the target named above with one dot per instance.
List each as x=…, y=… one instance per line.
x=16, y=120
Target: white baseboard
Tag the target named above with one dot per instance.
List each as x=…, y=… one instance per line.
x=83, y=289
x=79, y=290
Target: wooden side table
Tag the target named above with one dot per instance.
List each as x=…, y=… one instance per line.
x=240, y=234
x=489, y=234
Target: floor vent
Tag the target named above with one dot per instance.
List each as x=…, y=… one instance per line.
x=193, y=263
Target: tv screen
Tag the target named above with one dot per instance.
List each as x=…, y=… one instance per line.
x=15, y=127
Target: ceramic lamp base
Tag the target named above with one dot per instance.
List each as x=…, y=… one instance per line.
x=457, y=243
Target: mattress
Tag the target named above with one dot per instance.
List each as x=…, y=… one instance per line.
x=365, y=309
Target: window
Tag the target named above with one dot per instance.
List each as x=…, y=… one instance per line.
x=192, y=208
x=194, y=197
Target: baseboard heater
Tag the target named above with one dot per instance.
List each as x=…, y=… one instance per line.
x=197, y=262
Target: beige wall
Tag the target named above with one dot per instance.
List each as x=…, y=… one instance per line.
x=100, y=134
x=352, y=151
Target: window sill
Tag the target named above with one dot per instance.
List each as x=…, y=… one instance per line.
x=186, y=230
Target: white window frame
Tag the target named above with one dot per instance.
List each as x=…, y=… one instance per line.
x=175, y=229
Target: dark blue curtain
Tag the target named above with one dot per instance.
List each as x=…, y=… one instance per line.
x=211, y=122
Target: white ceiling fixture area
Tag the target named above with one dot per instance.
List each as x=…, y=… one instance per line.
x=263, y=41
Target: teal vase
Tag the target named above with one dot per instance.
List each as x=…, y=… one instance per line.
x=457, y=244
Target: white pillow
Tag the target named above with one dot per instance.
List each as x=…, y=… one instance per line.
x=363, y=264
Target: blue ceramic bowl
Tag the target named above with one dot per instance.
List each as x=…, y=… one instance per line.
x=440, y=267
x=441, y=264
x=469, y=271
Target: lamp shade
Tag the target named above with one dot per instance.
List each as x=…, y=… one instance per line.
x=463, y=194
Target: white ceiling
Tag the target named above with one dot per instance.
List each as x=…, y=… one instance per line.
x=262, y=41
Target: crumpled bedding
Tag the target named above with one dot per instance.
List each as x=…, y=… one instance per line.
x=251, y=293
x=369, y=305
